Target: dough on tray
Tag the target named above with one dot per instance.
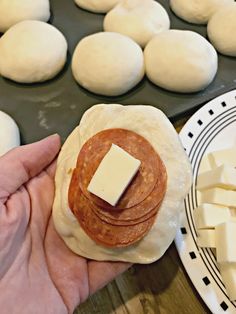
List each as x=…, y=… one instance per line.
x=9, y=133
x=138, y=19
x=97, y=6
x=108, y=63
x=32, y=51
x=197, y=11
x=15, y=11
x=180, y=61
x=221, y=30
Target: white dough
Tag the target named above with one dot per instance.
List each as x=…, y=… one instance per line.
x=108, y=63
x=32, y=51
x=180, y=61
x=9, y=133
x=14, y=11
x=221, y=30
x=98, y=6
x=153, y=125
x=197, y=11
x=139, y=19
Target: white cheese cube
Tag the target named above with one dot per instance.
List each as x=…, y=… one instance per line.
x=223, y=176
x=233, y=213
x=225, y=156
x=218, y=196
x=228, y=273
x=209, y=215
x=205, y=164
x=225, y=242
x=206, y=238
x=113, y=175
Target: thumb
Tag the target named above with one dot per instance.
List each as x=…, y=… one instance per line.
x=23, y=163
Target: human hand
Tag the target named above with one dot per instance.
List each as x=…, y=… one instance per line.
x=38, y=273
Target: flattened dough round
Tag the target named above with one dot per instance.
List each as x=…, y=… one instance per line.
x=108, y=63
x=9, y=133
x=153, y=125
x=32, y=51
x=221, y=30
x=97, y=6
x=180, y=61
x=14, y=11
x=197, y=11
x=138, y=19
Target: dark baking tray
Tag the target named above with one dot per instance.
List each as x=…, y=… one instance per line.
x=57, y=105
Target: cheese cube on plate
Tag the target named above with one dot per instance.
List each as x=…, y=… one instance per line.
x=218, y=196
x=223, y=176
x=113, y=175
x=225, y=242
x=205, y=164
x=225, y=156
x=233, y=214
x=210, y=215
x=228, y=273
x=206, y=238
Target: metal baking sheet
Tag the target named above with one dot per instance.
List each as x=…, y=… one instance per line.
x=57, y=105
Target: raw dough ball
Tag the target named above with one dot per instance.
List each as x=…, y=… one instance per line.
x=197, y=11
x=108, y=63
x=181, y=61
x=98, y=6
x=141, y=20
x=14, y=11
x=221, y=30
x=32, y=51
x=9, y=133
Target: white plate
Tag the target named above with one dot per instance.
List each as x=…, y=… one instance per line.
x=213, y=127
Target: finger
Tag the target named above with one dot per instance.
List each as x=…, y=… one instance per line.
x=51, y=169
x=25, y=162
x=101, y=273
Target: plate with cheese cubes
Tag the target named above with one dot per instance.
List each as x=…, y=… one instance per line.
x=207, y=234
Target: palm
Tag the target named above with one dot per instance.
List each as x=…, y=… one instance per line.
x=38, y=273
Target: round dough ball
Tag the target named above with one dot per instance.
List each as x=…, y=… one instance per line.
x=98, y=6
x=108, y=63
x=138, y=19
x=180, y=61
x=32, y=51
x=221, y=30
x=197, y=11
x=14, y=11
x=9, y=133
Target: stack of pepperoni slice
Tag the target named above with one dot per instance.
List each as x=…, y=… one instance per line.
x=136, y=211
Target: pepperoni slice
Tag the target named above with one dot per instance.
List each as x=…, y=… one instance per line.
x=127, y=223
x=106, y=234
x=73, y=187
x=128, y=217
x=132, y=215
x=141, y=211
x=94, y=150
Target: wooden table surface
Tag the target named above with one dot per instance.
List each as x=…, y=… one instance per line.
x=162, y=287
